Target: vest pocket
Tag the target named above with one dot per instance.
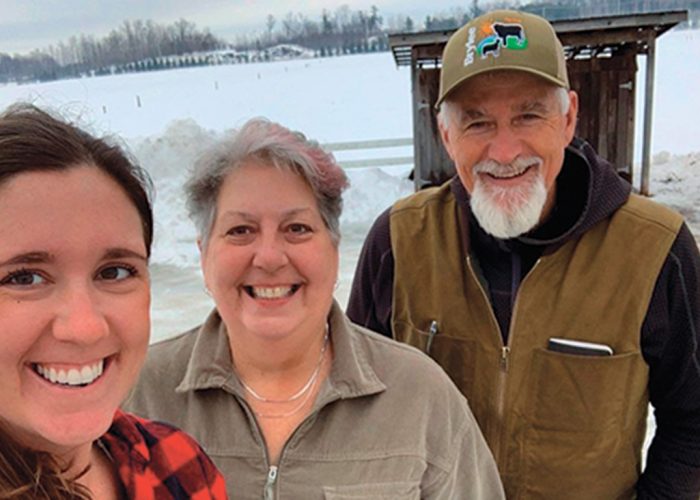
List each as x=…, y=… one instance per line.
x=454, y=354
x=578, y=393
x=576, y=444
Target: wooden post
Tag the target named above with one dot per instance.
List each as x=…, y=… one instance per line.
x=648, y=112
x=432, y=164
x=418, y=105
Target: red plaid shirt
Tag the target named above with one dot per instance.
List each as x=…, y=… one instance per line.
x=156, y=461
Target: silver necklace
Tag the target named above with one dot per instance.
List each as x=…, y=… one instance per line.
x=288, y=413
x=305, y=388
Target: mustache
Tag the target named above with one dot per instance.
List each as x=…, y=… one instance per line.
x=517, y=166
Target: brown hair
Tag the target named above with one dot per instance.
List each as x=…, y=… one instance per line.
x=34, y=475
x=32, y=140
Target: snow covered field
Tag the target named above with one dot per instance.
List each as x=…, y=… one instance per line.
x=166, y=117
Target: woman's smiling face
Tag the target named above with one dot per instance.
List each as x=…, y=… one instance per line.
x=270, y=262
x=74, y=305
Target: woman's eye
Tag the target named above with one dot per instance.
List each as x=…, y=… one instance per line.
x=298, y=228
x=116, y=273
x=23, y=278
x=239, y=231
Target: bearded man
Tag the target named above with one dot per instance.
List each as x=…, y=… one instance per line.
x=559, y=303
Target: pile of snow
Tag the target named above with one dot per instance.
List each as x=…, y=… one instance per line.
x=675, y=182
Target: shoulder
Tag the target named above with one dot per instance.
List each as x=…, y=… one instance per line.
x=423, y=198
x=405, y=369
x=647, y=211
x=418, y=393
x=153, y=433
x=170, y=356
x=154, y=394
x=174, y=459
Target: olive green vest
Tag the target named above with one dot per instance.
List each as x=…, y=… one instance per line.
x=559, y=425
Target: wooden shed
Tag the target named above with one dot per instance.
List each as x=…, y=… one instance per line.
x=601, y=58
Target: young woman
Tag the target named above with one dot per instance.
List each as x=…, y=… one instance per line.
x=75, y=236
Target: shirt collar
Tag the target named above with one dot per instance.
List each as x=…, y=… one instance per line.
x=210, y=365
x=352, y=374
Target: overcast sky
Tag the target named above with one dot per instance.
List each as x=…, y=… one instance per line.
x=36, y=24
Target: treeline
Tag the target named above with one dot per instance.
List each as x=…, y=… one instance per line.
x=342, y=31
x=132, y=46
x=559, y=9
x=145, y=45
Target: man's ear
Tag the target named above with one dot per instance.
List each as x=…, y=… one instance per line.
x=571, y=116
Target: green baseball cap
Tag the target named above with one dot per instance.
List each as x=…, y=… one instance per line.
x=498, y=40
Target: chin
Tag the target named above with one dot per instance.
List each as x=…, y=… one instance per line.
x=63, y=433
x=509, y=213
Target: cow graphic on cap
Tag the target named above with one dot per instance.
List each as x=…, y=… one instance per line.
x=509, y=36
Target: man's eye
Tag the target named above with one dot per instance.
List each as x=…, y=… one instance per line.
x=477, y=126
x=23, y=277
x=528, y=117
x=116, y=273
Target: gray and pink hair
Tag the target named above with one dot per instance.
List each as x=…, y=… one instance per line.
x=269, y=143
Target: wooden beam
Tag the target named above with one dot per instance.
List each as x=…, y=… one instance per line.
x=661, y=21
x=648, y=112
x=606, y=30
x=610, y=37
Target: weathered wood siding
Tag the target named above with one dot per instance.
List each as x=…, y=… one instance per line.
x=606, y=88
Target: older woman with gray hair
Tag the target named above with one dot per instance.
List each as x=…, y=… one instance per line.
x=289, y=398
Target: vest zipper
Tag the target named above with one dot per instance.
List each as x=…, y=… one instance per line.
x=501, y=399
x=270, y=483
x=503, y=378
x=505, y=351
x=496, y=440
x=495, y=435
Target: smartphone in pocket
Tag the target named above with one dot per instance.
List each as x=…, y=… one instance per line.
x=580, y=347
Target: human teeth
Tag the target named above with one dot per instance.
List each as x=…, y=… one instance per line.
x=508, y=175
x=74, y=376
x=274, y=292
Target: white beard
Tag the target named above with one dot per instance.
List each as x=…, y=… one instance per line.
x=508, y=212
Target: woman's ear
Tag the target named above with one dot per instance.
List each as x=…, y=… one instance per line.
x=202, y=249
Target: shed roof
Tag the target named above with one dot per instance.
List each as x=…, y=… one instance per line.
x=582, y=38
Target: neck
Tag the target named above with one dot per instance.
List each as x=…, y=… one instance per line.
x=76, y=460
x=101, y=479
x=278, y=368
x=89, y=467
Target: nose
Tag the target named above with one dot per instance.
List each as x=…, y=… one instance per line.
x=505, y=146
x=80, y=320
x=270, y=253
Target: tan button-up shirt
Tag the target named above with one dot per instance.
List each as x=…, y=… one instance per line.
x=387, y=423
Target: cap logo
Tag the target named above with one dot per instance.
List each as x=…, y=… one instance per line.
x=471, y=47
x=510, y=36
